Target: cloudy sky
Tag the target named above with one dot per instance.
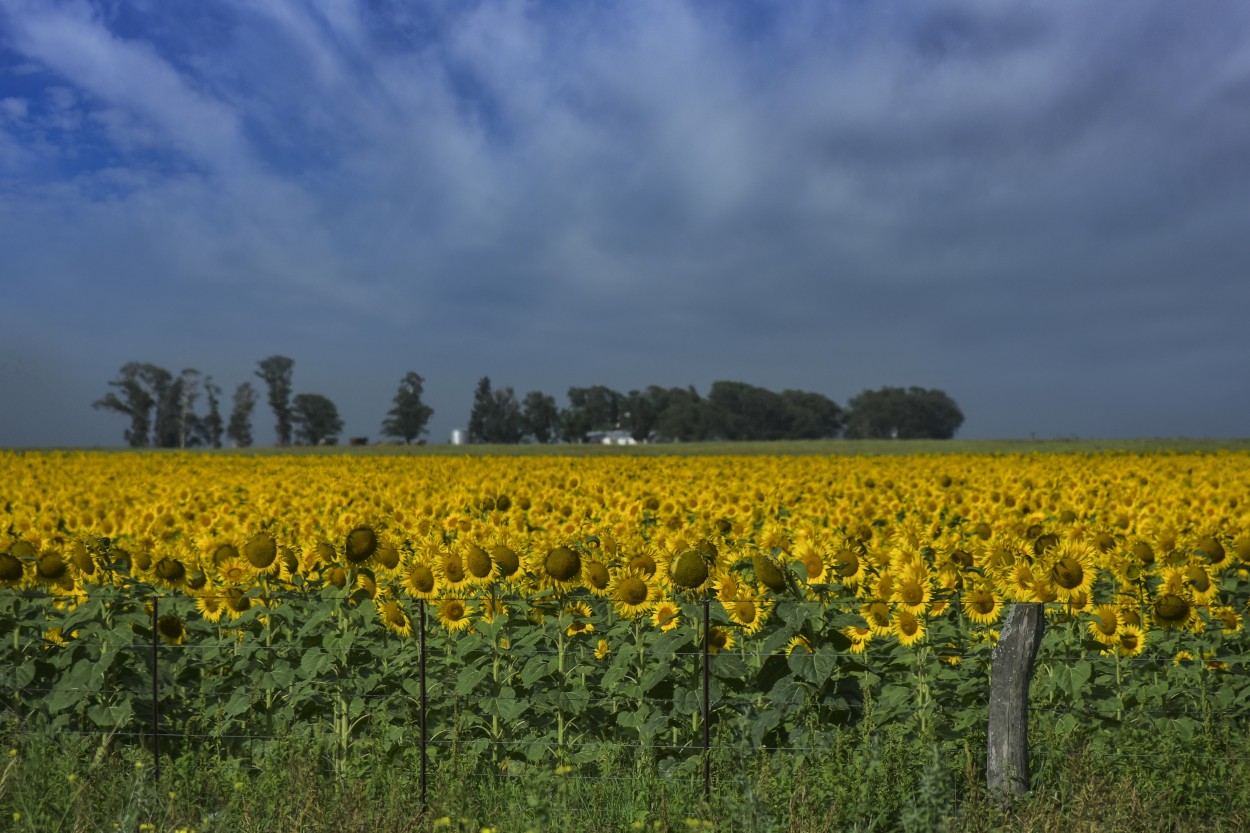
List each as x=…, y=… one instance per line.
x=1042, y=208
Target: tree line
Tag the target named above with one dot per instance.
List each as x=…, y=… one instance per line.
x=161, y=408
x=730, y=411
x=162, y=411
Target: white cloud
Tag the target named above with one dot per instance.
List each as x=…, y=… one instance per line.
x=14, y=109
x=73, y=42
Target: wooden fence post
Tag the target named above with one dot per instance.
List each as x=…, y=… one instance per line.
x=1011, y=672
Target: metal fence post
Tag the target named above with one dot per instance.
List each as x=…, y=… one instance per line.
x=707, y=702
x=156, y=725
x=421, y=616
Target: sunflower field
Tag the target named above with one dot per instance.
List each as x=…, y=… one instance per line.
x=612, y=615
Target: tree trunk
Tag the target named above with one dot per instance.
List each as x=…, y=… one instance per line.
x=1011, y=672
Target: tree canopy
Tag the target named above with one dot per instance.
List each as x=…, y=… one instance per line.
x=315, y=418
x=911, y=413
x=276, y=371
x=409, y=416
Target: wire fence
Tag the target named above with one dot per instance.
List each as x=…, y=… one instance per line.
x=526, y=690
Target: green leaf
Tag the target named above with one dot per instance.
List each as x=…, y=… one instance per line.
x=537, y=668
x=1065, y=724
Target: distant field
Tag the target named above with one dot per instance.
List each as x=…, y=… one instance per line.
x=792, y=447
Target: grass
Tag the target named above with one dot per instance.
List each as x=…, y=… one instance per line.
x=1107, y=782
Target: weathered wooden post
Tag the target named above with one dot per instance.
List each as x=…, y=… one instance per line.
x=1011, y=672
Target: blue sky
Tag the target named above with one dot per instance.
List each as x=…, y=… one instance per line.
x=1039, y=207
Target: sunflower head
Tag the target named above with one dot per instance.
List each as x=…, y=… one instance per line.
x=171, y=570
x=478, y=562
x=1213, y=550
x=361, y=543
x=11, y=571
x=50, y=566
x=1172, y=611
x=768, y=572
x=171, y=629
x=562, y=565
x=506, y=559
x=223, y=553
x=387, y=557
x=81, y=556
x=689, y=570
x=261, y=550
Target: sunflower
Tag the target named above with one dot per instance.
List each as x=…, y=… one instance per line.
x=643, y=562
x=596, y=577
x=728, y=587
x=688, y=570
x=170, y=571
x=11, y=569
x=578, y=610
x=982, y=605
x=453, y=615
x=481, y=568
x=1182, y=658
x=807, y=554
x=719, y=639
x=361, y=543
x=561, y=567
x=421, y=579
x=233, y=569
x=171, y=628
x=1130, y=641
x=235, y=602
x=1225, y=618
x=1172, y=611
x=1071, y=570
x=913, y=590
x=50, y=567
x=261, y=550
x=848, y=566
x=666, y=616
x=877, y=614
x=768, y=572
x=1104, y=622
x=491, y=608
x=799, y=643
x=602, y=649
x=507, y=562
x=210, y=606
x=450, y=567
x=631, y=593
x=394, y=617
x=749, y=612
x=908, y=627
x=859, y=636
x=1199, y=580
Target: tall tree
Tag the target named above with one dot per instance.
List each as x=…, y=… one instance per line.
x=681, y=414
x=315, y=418
x=540, y=416
x=596, y=408
x=239, y=429
x=275, y=371
x=409, y=416
x=911, y=413
x=739, y=411
x=188, y=392
x=166, y=390
x=210, y=428
x=496, y=415
x=810, y=416
x=133, y=400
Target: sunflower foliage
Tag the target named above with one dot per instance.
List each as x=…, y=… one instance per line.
x=561, y=603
